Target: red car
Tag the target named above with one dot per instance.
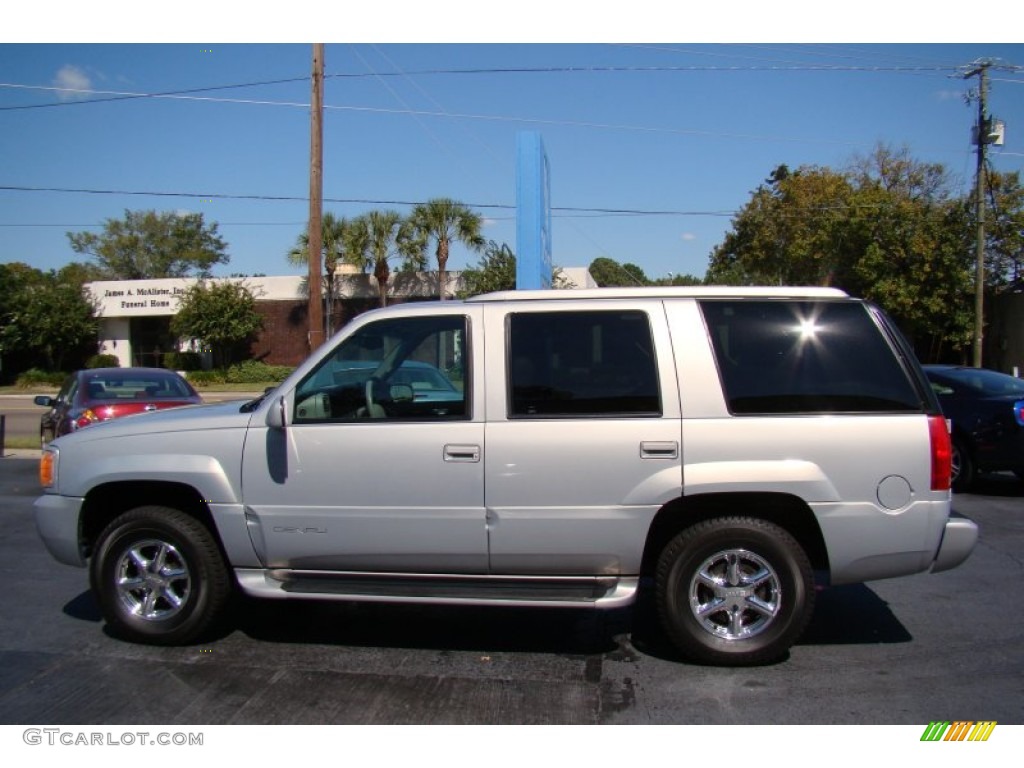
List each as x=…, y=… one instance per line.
x=99, y=394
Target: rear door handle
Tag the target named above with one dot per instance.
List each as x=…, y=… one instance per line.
x=668, y=449
x=462, y=453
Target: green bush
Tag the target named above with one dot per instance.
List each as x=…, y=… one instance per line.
x=182, y=361
x=249, y=372
x=103, y=361
x=255, y=372
x=36, y=378
x=205, y=378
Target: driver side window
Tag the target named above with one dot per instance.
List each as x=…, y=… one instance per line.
x=400, y=369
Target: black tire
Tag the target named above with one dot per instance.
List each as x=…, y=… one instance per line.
x=964, y=470
x=159, y=577
x=711, y=611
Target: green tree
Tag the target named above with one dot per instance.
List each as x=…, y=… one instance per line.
x=1004, y=228
x=496, y=271
x=376, y=239
x=609, y=273
x=886, y=228
x=221, y=315
x=147, y=244
x=679, y=280
x=444, y=221
x=791, y=232
x=335, y=234
x=80, y=272
x=45, y=319
x=911, y=251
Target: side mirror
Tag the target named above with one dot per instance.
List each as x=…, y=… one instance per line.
x=276, y=415
x=44, y=400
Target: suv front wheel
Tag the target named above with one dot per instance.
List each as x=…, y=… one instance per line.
x=734, y=591
x=158, y=576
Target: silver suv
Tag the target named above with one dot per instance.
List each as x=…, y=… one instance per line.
x=733, y=448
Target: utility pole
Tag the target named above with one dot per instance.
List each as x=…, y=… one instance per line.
x=316, y=193
x=981, y=70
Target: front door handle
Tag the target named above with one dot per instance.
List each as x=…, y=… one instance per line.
x=462, y=453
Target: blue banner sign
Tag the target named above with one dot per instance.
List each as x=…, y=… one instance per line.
x=533, y=219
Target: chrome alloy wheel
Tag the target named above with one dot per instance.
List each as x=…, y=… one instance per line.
x=956, y=463
x=735, y=594
x=153, y=580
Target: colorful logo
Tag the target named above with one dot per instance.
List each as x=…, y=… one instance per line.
x=959, y=730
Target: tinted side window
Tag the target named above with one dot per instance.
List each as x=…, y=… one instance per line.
x=400, y=369
x=805, y=357
x=582, y=364
x=67, y=389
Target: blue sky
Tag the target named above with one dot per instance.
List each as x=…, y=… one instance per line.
x=673, y=136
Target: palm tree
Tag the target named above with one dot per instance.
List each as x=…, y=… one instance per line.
x=443, y=221
x=333, y=233
x=376, y=238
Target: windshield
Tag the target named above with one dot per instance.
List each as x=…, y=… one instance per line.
x=983, y=382
x=119, y=385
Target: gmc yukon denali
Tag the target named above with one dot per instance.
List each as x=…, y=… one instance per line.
x=730, y=449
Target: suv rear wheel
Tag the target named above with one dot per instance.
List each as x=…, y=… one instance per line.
x=158, y=576
x=735, y=591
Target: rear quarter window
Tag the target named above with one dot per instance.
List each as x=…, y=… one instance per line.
x=808, y=357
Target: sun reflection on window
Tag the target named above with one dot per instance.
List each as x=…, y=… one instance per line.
x=808, y=329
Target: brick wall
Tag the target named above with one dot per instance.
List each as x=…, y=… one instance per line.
x=283, y=339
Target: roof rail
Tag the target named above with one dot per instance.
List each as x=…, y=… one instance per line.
x=651, y=292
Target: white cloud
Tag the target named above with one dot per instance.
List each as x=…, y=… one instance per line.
x=74, y=79
x=688, y=236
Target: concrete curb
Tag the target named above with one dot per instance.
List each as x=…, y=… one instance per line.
x=21, y=453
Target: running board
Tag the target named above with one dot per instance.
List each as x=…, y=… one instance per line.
x=441, y=589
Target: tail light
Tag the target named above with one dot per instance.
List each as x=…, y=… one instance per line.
x=1018, y=412
x=84, y=419
x=942, y=453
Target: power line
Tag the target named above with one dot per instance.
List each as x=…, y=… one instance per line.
x=490, y=118
x=126, y=96
x=563, y=211
x=348, y=200
x=793, y=67
x=130, y=96
x=445, y=114
x=219, y=224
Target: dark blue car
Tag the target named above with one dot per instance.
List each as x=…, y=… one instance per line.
x=986, y=409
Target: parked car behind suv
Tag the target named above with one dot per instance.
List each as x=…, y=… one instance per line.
x=92, y=395
x=986, y=409
x=736, y=448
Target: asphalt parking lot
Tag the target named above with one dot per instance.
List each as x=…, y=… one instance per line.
x=905, y=651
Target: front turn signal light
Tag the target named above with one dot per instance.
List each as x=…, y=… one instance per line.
x=47, y=469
